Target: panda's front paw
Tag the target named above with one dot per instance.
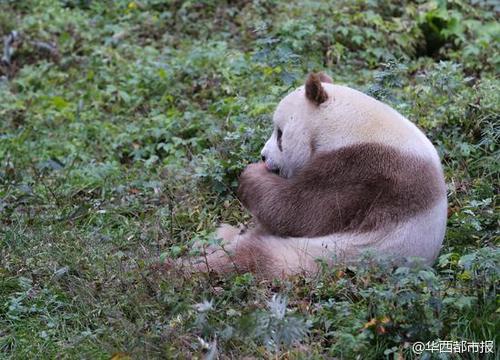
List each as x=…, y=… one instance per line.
x=252, y=175
x=254, y=170
x=250, y=183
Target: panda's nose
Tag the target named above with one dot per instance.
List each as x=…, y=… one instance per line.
x=263, y=158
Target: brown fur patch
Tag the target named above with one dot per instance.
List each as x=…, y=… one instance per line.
x=313, y=145
x=314, y=89
x=357, y=188
x=279, y=139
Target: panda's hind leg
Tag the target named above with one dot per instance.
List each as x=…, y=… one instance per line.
x=227, y=232
x=240, y=252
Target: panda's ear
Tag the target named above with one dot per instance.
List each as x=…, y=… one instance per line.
x=325, y=78
x=314, y=90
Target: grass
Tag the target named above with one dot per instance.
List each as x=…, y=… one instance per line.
x=124, y=126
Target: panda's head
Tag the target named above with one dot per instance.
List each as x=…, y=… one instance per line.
x=292, y=142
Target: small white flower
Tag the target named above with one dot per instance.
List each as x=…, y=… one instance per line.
x=277, y=306
x=204, y=306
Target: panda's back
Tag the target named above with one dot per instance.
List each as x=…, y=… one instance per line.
x=353, y=117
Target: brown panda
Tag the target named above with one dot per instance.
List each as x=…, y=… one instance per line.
x=342, y=173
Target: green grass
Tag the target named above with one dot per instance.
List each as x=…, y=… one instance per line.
x=124, y=126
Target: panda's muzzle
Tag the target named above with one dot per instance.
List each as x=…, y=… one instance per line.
x=275, y=171
x=270, y=167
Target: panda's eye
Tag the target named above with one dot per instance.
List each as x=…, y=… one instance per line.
x=278, y=138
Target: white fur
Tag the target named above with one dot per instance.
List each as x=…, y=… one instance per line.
x=348, y=117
